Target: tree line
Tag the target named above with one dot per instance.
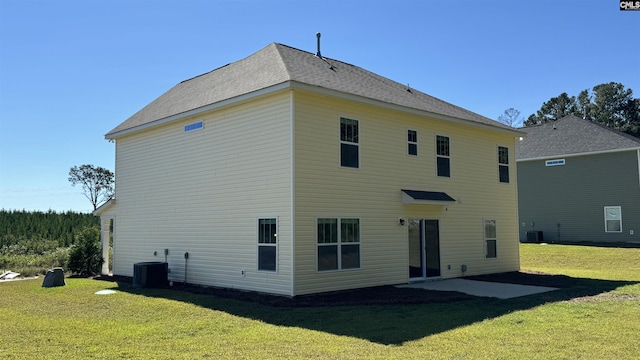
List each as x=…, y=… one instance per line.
x=36, y=226
x=609, y=104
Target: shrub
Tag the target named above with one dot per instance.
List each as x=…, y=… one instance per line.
x=34, y=264
x=85, y=257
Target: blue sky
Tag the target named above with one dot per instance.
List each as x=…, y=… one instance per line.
x=70, y=71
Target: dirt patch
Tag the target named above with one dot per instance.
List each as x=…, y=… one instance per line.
x=605, y=297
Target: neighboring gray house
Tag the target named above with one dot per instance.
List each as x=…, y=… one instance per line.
x=578, y=182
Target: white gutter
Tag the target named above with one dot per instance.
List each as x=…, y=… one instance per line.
x=638, y=151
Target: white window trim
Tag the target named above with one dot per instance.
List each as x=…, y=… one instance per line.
x=412, y=142
x=339, y=243
x=346, y=117
x=619, y=208
x=435, y=143
x=259, y=244
x=485, y=238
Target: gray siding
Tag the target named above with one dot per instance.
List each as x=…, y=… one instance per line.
x=567, y=202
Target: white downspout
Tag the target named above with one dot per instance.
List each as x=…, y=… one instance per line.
x=292, y=183
x=638, y=152
x=105, y=224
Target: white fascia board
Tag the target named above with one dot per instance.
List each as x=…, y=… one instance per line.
x=104, y=207
x=201, y=110
x=578, y=154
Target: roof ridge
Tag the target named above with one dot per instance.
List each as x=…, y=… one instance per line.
x=382, y=79
x=276, y=64
x=205, y=73
x=601, y=126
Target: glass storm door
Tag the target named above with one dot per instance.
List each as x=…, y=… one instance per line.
x=416, y=254
x=424, y=248
x=432, y=247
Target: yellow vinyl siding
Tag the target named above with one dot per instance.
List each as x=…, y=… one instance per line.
x=373, y=192
x=203, y=192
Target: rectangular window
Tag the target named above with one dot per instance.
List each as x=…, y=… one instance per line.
x=338, y=244
x=349, y=143
x=412, y=142
x=556, y=162
x=613, y=219
x=490, y=239
x=503, y=164
x=443, y=156
x=267, y=244
x=194, y=126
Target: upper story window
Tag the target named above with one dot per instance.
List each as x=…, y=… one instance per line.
x=349, y=143
x=503, y=164
x=443, y=156
x=267, y=244
x=412, y=142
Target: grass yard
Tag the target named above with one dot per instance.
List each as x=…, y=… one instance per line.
x=597, y=317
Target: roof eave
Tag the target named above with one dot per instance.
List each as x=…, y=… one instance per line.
x=383, y=104
x=104, y=207
x=292, y=84
x=547, y=157
x=115, y=134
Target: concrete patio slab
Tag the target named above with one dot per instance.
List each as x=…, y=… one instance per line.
x=481, y=288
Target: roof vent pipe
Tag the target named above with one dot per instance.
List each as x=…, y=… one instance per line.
x=318, y=53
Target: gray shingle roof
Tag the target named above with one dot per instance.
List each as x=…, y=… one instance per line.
x=569, y=136
x=280, y=64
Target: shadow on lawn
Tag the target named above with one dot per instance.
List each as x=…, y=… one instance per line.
x=385, y=315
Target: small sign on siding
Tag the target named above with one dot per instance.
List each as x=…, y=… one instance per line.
x=194, y=126
x=554, y=162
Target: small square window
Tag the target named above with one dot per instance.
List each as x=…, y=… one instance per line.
x=613, y=219
x=327, y=258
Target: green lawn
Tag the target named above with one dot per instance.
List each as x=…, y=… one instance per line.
x=596, y=318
